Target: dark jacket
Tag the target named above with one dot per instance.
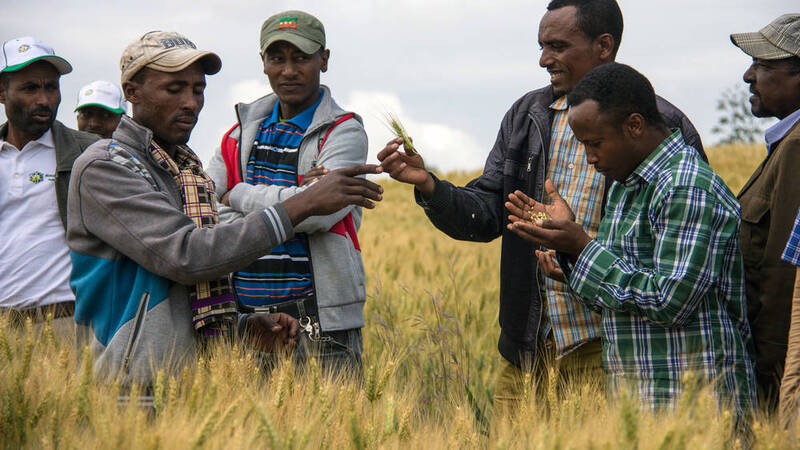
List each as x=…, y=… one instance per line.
x=69, y=144
x=475, y=212
x=769, y=205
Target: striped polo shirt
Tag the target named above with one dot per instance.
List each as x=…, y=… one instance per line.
x=285, y=273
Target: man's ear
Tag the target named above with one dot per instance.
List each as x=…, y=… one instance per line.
x=604, y=45
x=325, y=54
x=264, y=61
x=131, y=90
x=634, y=125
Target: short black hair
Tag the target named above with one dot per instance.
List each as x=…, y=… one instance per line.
x=620, y=91
x=139, y=76
x=595, y=17
x=5, y=79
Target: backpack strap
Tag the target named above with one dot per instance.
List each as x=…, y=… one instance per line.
x=324, y=138
x=345, y=227
x=230, y=154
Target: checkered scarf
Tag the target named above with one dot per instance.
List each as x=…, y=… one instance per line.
x=212, y=302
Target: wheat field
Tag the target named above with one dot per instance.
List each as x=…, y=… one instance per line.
x=430, y=364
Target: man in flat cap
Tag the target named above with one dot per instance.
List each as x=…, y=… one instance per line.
x=772, y=195
x=36, y=156
x=100, y=107
x=282, y=142
x=150, y=262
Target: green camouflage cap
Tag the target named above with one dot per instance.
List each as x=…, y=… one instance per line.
x=299, y=28
x=780, y=39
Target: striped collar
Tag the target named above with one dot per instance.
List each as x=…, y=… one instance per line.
x=560, y=104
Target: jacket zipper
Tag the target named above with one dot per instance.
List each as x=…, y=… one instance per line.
x=141, y=312
x=541, y=139
x=542, y=298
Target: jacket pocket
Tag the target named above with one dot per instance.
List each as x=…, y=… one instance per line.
x=136, y=330
x=514, y=169
x=754, y=229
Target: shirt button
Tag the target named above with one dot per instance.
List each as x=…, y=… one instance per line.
x=571, y=166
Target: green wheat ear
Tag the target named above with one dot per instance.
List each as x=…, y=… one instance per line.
x=397, y=128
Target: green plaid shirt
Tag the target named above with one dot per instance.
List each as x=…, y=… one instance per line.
x=666, y=273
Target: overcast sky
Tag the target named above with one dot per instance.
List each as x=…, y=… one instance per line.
x=448, y=69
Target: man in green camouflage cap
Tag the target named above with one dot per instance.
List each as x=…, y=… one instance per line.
x=281, y=143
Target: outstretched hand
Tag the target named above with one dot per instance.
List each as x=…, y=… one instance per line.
x=335, y=190
x=272, y=332
x=405, y=167
x=558, y=231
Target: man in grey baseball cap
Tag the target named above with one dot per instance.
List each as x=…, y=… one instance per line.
x=770, y=199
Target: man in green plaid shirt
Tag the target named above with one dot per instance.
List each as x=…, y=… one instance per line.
x=665, y=270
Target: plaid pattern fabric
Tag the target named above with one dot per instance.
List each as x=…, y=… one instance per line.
x=582, y=187
x=213, y=304
x=791, y=253
x=667, y=274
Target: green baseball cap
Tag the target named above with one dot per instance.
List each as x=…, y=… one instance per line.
x=298, y=28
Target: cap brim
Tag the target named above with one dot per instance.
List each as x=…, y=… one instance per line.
x=305, y=45
x=178, y=60
x=62, y=65
x=100, y=105
x=757, y=46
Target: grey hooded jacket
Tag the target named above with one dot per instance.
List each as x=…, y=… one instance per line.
x=135, y=255
x=338, y=269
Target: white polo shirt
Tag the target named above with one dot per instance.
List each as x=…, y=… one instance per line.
x=34, y=258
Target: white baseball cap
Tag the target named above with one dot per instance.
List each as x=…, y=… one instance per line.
x=103, y=94
x=18, y=53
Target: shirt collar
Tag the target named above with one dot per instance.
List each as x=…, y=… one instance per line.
x=45, y=140
x=778, y=131
x=657, y=160
x=560, y=104
x=302, y=120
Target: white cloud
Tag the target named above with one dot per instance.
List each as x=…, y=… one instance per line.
x=444, y=148
x=247, y=91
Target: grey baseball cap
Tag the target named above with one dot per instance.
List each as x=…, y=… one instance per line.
x=778, y=40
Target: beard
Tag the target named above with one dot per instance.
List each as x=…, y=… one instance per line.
x=25, y=119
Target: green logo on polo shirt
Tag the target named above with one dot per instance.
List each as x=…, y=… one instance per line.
x=36, y=177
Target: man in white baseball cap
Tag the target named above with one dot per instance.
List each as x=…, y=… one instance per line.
x=36, y=156
x=100, y=106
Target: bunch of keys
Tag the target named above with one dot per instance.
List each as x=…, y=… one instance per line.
x=311, y=328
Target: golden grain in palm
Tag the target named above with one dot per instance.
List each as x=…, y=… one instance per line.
x=541, y=215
